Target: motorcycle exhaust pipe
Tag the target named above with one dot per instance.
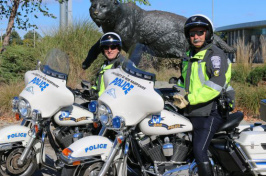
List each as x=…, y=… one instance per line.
x=188, y=167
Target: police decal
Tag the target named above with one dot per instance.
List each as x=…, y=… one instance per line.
x=39, y=82
x=15, y=135
x=95, y=147
x=156, y=122
x=124, y=85
x=29, y=89
x=111, y=92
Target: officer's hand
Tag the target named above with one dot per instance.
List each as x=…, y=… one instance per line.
x=180, y=101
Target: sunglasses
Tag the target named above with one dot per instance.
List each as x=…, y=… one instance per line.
x=112, y=47
x=193, y=33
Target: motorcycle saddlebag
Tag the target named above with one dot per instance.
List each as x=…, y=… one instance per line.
x=230, y=159
x=253, y=144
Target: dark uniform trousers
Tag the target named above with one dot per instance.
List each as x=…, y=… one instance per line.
x=204, y=128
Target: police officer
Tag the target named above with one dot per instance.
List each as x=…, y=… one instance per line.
x=206, y=71
x=110, y=46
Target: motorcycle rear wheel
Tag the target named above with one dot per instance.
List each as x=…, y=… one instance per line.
x=8, y=164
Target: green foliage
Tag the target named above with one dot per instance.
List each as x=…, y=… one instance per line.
x=145, y=2
x=256, y=75
x=29, y=8
x=30, y=35
x=15, y=61
x=249, y=97
x=15, y=38
x=240, y=72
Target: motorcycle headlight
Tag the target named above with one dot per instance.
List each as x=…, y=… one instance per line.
x=36, y=114
x=104, y=114
x=24, y=108
x=118, y=122
x=15, y=104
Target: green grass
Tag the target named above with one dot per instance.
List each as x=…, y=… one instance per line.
x=76, y=42
x=7, y=92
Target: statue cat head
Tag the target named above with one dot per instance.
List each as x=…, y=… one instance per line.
x=103, y=12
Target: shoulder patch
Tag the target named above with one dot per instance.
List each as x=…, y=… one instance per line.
x=216, y=61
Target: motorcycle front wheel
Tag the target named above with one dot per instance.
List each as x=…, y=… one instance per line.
x=9, y=163
x=87, y=170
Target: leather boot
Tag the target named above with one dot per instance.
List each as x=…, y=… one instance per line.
x=205, y=169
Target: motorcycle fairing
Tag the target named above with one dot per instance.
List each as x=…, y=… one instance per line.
x=91, y=146
x=46, y=93
x=166, y=123
x=130, y=97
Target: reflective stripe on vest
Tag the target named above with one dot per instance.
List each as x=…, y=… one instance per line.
x=100, y=81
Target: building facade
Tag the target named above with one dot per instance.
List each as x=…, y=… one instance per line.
x=249, y=32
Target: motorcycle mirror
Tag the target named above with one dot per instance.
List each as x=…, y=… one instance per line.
x=38, y=66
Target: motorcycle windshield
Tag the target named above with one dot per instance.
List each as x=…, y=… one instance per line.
x=56, y=64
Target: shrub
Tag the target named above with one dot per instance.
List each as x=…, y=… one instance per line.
x=240, y=72
x=256, y=75
x=15, y=61
x=249, y=97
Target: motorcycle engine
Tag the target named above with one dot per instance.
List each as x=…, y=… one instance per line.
x=164, y=148
x=64, y=136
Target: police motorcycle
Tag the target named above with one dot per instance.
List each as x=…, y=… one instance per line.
x=141, y=137
x=47, y=108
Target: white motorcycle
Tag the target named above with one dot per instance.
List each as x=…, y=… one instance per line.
x=48, y=109
x=140, y=137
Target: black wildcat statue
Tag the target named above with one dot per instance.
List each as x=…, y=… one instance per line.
x=159, y=33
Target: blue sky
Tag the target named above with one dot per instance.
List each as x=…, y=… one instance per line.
x=225, y=12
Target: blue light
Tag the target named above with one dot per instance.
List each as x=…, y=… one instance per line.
x=116, y=122
x=93, y=106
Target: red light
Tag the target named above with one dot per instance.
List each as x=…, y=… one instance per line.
x=17, y=116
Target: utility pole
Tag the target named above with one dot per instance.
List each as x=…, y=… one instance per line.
x=1, y=34
x=69, y=12
x=212, y=13
x=66, y=14
x=34, y=37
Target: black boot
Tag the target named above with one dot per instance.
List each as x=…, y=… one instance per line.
x=205, y=169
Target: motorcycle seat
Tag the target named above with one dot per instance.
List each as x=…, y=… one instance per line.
x=232, y=121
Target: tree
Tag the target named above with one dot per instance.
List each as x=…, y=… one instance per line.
x=145, y=2
x=30, y=37
x=10, y=10
x=14, y=38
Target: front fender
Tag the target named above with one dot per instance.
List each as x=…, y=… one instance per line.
x=14, y=133
x=88, y=147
